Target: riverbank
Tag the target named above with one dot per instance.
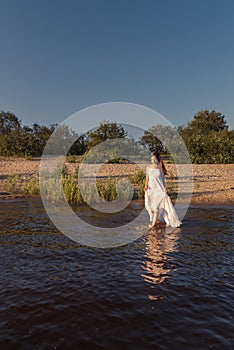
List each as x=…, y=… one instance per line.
x=212, y=183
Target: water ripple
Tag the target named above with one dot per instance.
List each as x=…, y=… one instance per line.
x=163, y=291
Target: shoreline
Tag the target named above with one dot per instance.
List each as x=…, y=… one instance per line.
x=193, y=204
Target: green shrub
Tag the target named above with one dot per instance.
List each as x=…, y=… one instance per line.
x=141, y=191
x=28, y=156
x=139, y=177
x=72, y=158
x=115, y=161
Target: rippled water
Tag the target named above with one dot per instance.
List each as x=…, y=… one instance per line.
x=164, y=291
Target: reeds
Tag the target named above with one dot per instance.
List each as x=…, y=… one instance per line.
x=138, y=179
x=103, y=190
x=14, y=185
x=30, y=187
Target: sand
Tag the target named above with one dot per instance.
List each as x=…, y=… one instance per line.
x=212, y=183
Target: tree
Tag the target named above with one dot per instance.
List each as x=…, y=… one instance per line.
x=205, y=121
x=207, y=138
x=34, y=139
x=162, y=138
x=10, y=134
x=151, y=141
x=79, y=146
x=112, y=149
x=219, y=147
x=61, y=141
x=16, y=140
x=105, y=131
x=8, y=123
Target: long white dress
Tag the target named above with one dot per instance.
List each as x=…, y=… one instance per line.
x=156, y=199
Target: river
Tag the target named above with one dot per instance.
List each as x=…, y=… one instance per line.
x=163, y=291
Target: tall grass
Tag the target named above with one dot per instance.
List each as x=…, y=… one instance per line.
x=138, y=179
x=30, y=187
x=12, y=184
x=105, y=190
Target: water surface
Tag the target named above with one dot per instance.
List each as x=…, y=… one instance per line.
x=163, y=291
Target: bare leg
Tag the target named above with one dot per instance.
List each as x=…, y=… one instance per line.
x=155, y=217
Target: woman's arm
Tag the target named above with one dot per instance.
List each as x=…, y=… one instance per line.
x=146, y=180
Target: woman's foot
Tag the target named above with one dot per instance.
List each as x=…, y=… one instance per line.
x=160, y=223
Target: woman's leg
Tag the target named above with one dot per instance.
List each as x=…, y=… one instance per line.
x=154, y=219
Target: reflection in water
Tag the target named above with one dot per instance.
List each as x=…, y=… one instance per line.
x=159, y=243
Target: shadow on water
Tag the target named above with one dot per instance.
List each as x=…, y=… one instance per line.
x=163, y=291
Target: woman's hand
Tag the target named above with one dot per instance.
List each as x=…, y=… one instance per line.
x=146, y=182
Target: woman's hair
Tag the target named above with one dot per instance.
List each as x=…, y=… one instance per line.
x=158, y=157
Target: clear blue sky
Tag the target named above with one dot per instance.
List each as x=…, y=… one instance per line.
x=58, y=56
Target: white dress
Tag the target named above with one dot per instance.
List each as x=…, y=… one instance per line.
x=156, y=199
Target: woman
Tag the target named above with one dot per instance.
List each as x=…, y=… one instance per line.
x=157, y=202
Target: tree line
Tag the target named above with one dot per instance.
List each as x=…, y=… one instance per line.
x=207, y=138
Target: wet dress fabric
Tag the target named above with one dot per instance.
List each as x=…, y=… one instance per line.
x=156, y=199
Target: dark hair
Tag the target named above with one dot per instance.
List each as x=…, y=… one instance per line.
x=158, y=156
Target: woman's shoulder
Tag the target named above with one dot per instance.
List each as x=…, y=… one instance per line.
x=149, y=167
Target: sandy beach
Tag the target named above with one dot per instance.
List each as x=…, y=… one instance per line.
x=212, y=183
